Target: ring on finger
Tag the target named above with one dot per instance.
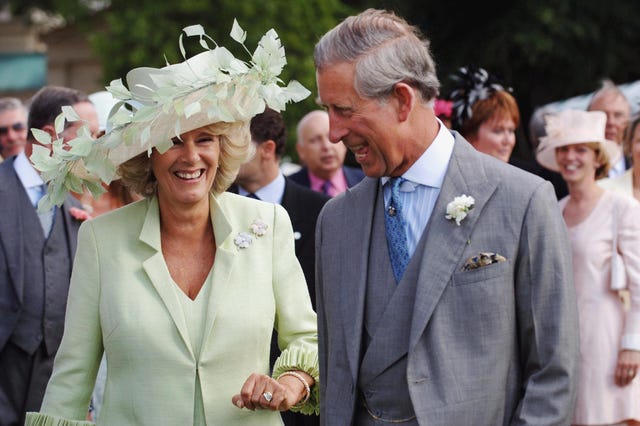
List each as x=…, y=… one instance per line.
x=630, y=373
x=268, y=396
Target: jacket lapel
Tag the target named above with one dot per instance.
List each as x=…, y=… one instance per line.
x=359, y=199
x=157, y=271
x=446, y=240
x=223, y=265
x=11, y=227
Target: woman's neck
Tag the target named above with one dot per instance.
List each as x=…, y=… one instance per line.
x=584, y=191
x=184, y=222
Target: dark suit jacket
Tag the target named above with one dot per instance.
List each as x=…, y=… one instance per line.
x=12, y=261
x=352, y=175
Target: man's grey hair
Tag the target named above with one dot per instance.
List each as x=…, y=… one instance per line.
x=386, y=50
x=608, y=87
x=10, y=104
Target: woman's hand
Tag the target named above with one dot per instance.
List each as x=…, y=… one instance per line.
x=628, y=367
x=261, y=391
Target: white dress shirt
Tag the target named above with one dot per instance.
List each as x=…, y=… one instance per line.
x=271, y=192
x=31, y=180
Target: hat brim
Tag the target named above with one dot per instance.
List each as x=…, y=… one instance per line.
x=546, y=154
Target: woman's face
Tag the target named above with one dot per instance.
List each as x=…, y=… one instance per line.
x=185, y=172
x=577, y=162
x=496, y=137
x=635, y=147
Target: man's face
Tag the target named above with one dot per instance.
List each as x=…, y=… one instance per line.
x=322, y=157
x=13, y=132
x=618, y=112
x=366, y=126
x=88, y=116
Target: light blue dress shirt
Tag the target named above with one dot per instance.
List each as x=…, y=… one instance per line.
x=271, y=193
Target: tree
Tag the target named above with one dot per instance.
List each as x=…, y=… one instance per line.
x=546, y=50
x=129, y=34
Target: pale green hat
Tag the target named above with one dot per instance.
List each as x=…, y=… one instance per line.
x=162, y=103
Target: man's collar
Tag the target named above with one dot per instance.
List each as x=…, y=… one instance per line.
x=271, y=192
x=25, y=171
x=431, y=167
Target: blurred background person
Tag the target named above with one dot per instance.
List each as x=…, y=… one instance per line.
x=181, y=291
x=324, y=170
x=598, y=220
x=628, y=182
x=443, y=110
x=610, y=100
x=13, y=127
x=484, y=112
x=261, y=178
x=36, y=254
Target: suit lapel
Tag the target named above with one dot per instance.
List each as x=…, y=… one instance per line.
x=446, y=240
x=11, y=228
x=223, y=265
x=157, y=271
x=360, y=203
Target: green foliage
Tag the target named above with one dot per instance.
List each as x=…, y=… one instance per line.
x=144, y=32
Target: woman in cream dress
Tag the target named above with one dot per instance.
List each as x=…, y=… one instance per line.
x=609, y=386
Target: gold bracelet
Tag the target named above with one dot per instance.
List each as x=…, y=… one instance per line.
x=306, y=385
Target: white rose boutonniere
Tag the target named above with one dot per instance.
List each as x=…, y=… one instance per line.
x=459, y=208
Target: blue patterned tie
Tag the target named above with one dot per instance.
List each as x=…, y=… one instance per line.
x=396, y=234
x=46, y=218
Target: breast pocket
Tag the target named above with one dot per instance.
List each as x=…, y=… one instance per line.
x=484, y=273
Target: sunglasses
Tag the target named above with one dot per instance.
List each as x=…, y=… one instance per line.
x=17, y=127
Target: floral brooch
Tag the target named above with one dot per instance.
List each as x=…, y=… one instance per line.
x=244, y=239
x=459, y=208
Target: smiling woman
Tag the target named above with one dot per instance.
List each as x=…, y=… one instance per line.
x=182, y=310
x=602, y=226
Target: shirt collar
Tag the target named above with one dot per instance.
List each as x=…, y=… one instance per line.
x=271, y=192
x=25, y=171
x=431, y=166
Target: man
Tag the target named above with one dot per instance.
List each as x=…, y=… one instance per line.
x=36, y=254
x=444, y=285
x=13, y=127
x=261, y=178
x=324, y=171
x=614, y=103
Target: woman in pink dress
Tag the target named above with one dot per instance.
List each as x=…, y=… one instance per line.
x=609, y=386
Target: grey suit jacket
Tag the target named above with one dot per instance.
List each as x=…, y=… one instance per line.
x=12, y=242
x=496, y=345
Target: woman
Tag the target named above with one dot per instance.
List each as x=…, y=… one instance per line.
x=609, y=387
x=183, y=289
x=484, y=112
x=629, y=182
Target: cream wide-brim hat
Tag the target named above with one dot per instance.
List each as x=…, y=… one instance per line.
x=158, y=104
x=571, y=127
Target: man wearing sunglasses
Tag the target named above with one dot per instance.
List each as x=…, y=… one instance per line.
x=13, y=127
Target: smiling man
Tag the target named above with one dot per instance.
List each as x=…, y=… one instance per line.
x=452, y=302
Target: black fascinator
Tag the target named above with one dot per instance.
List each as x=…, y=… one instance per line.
x=471, y=84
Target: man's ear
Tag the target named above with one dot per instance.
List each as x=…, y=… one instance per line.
x=300, y=152
x=50, y=129
x=405, y=97
x=267, y=149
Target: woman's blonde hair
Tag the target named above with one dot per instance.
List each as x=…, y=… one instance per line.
x=601, y=157
x=235, y=149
